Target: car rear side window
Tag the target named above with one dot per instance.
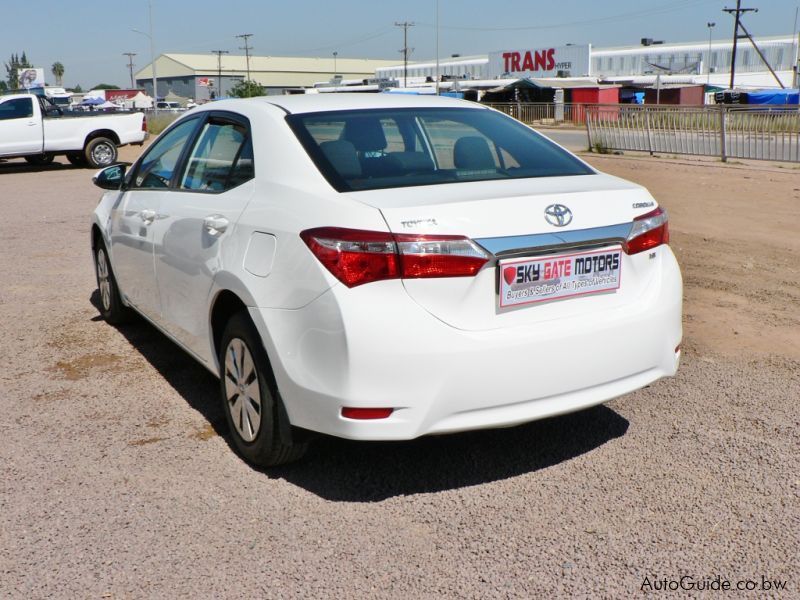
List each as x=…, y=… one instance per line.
x=221, y=159
x=18, y=108
x=386, y=148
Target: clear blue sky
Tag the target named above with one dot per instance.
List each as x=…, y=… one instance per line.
x=89, y=37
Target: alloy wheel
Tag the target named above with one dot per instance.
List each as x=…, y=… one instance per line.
x=242, y=392
x=104, y=279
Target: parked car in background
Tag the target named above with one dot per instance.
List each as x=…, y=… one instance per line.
x=169, y=106
x=382, y=267
x=34, y=128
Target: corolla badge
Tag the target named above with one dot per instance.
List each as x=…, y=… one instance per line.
x=558, y=215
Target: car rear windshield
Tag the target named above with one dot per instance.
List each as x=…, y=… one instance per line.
x=388, y=148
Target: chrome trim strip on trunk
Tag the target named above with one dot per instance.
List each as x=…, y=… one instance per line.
x=548, y=243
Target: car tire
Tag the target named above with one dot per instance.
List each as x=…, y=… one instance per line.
x=100, y=152
x=40, y=160
x=76, y=158
x=253, y=408
x=111, y=307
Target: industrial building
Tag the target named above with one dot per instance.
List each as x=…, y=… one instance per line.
x=689, y=62
x=201, y=76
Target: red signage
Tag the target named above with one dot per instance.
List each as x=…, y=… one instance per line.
x=530, y=60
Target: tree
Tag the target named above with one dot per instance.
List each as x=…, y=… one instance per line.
x=77, y=89
x=105, y=86
x=3, y=87
x=246, y=89
x=58, y=72
x=12, y=69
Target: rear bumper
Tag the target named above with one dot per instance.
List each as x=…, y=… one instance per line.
x=373, y=346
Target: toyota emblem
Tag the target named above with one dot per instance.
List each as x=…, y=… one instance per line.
x=558, y=215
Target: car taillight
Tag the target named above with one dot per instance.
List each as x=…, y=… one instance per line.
x=144, y=123
x=648, y=231
x=356, y=257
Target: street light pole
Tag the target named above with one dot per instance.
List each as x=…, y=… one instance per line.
x=335, y=54
x=710, y=26
x=437, y=46
x=152, y=54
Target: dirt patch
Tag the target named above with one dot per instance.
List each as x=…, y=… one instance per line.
x=146, y=441
x=206, y=432
x=81, y=367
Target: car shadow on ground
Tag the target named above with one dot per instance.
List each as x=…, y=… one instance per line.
x=21, y=166
x=347, y=471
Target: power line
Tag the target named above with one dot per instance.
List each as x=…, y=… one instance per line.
x=219, y=54
x=405, y=25
x=655, y=10
x=247, y=47
x=130, y=56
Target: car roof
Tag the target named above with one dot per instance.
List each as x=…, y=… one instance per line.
x=311, y=103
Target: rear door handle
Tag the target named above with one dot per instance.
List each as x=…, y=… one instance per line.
x=147, y=215
x=215, y=224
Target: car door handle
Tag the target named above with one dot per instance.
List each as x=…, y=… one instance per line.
x=215, y=224
x=32, y=124
x=147, y=216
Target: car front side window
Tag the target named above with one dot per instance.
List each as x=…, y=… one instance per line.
x=158, y=165
x=18, y=108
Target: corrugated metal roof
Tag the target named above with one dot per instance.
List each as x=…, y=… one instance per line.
x=206, y=64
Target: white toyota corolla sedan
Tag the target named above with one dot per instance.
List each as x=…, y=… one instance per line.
x=382, y=267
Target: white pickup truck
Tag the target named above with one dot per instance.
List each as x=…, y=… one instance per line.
x=33, y=128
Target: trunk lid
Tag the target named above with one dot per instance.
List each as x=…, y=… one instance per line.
x=508, y=220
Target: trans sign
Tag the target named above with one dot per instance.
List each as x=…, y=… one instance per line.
x=573, y=61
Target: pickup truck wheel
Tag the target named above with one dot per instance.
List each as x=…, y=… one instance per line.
x=40, y=159
x=100, y=152
x=252, y=404
x=77, y=159
x=111, y=307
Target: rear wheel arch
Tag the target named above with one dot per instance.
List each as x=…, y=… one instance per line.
x=226, y=304
x=106, y=133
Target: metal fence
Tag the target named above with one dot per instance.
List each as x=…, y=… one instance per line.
x=761, y=133
x=727, y=131
x=543, y=113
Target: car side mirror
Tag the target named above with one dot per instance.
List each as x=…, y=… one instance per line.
x=110, y=178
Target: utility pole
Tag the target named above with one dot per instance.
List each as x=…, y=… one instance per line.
x=739, y=11
x=247, y=47
x=130, y=56
x=405, y=25
x=219, y=54
x=746, y=34
x=335, y=54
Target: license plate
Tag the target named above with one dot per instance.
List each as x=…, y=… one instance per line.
x=528, y=280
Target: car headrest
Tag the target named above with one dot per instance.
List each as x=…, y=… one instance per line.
x=472, y=152
x=342, y=155
x=366, y=134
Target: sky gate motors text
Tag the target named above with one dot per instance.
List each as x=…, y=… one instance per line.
x=583, y=265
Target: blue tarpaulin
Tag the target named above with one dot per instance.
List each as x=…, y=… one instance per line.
x=774, y=97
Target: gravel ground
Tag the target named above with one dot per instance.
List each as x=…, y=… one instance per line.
x=118, y=480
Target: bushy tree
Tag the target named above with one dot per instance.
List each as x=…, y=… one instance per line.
x=105, y=86
x=77, y=89
x=13, y=66
x=246, y=89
